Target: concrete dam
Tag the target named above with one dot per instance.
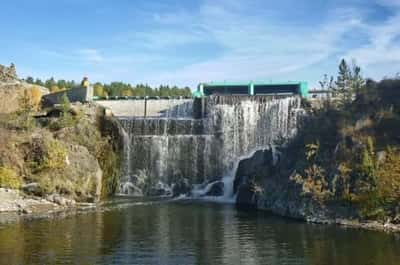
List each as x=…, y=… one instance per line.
x=197, y=141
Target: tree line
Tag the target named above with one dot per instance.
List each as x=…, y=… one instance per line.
x=114, y=88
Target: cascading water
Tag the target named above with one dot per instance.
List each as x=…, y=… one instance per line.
x=173, y=147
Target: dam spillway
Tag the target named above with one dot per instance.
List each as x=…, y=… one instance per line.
x=173, y=146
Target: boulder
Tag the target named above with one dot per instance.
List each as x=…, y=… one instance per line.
x=182, y=187
x=60, y=200
x=131, y=189
x=217, y=189
x=160, y=189
x=261, y=163
x=33, y=189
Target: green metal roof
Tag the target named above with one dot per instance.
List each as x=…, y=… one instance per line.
x=229, y=83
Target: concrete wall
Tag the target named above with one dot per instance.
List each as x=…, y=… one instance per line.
x=149, y=107
x=80, y=94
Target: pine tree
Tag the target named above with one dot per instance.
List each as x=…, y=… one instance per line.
x=357, y=81
x=349, y=82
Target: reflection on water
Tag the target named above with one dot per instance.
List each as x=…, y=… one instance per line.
x=189, y=233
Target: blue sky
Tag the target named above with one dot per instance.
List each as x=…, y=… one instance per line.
x=188, y=41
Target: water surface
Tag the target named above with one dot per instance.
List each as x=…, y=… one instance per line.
x=184, y=232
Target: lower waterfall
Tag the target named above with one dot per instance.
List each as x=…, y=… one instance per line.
x=161, y=152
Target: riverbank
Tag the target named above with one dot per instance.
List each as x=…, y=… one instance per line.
x=16, y=206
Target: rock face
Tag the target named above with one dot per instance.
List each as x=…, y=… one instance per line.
x=8, y=74
x=217, y=189
x=249, y=177
x=247, y=197
x=181, y=187
x=11, y=89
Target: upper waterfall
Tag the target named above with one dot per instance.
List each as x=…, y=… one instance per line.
x=174, y=147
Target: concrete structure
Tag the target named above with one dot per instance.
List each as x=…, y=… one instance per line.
x=253, y=88
x=321, y=94
x=149, y=107
x=78, y=94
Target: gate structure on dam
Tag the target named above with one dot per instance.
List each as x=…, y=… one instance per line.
x=196, y=107
x=180, y=107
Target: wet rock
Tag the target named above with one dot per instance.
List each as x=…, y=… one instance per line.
x=58, y=199
x=182, y=187
x=217, y=189
x=131, y=189
x=396, y=219
x=33, y=189
x=160, y=189
x=246, y=196
x=261, y=163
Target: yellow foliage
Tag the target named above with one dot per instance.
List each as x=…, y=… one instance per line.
x=388, y=177
x=313, y=183
x=99, y=90
x=9, y=179
x=312, y=150
x=35, y=95
x=54, y=88
x=127, y=92
x=55, y=158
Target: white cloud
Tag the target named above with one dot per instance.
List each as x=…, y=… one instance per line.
x=255, y=48
x=382, y=50
x=252, y=44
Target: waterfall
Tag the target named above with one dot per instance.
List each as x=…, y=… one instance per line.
x=175, y=146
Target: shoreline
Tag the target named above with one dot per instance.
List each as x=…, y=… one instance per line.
x=18, y=207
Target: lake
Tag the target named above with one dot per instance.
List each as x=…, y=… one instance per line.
x=132, y=231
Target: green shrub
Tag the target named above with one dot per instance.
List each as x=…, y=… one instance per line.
x=66, y=119
x=109, y=162
x=388, y=177
x=9, y=178
x=50, y=155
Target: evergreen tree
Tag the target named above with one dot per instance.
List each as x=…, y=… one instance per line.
x=357, y=81
x=50, y=83
x=39, y=82
x=343, y=78
x=29, y=80
x=349, y=82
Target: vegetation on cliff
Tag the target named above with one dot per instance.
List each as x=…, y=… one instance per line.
x=347, y=154
x=62, y=150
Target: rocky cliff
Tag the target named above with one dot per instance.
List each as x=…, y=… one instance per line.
x=12, y=89
x=342, y=167
x=62, y=154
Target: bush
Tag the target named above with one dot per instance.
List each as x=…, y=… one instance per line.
x=35, y=95
x=50, y=155
x=9, y=178
x=388, y=177
x=23, y=119
x=109, y=162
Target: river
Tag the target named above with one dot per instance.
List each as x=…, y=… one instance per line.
x=131, y=231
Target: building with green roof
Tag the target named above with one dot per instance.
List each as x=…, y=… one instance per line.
x=252, y=88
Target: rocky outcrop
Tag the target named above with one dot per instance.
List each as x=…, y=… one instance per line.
x=14, y=201
x=216, y=189
x=249, y=177
x=8, y=74
x=181, y=187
